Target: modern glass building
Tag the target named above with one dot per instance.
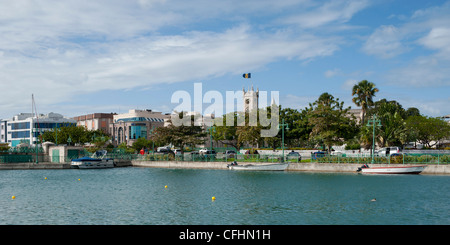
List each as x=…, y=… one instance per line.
x=26, y=127
x=135, y=124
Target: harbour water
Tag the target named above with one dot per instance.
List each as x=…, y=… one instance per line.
x=124, y=196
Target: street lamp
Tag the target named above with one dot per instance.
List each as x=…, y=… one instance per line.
x=153, y=140
x=375, y=122
x=211, y=130
x=282, y=126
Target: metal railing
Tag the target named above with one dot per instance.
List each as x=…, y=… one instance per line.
x=393, y=159
x=213, y=157
x=221, y=157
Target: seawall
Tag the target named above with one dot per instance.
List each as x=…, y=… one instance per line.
x=31, y=165
x=301, y=167
x=305, y=167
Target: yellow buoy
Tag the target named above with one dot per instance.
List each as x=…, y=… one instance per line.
x=45, y=178
x=79, y=179
x=213, y=198
x=165, y=186
x=13, y=197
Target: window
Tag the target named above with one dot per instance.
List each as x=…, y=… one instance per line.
x=20, y=134
x=22, y=125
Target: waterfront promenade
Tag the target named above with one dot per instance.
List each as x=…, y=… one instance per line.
x=442, y=169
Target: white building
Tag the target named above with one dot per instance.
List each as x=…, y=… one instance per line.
x=128, y=127
x=25, y=127
x=3, y=131
x=251, y=98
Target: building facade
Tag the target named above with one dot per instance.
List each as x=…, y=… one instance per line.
x=26, y=127
x=96, y=121
x=128, y=127
x=3, y=132
x=251, y=98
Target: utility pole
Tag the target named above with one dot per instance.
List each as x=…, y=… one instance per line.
x=375, y=122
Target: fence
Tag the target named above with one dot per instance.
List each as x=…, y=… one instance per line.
x=394, y=159
x=222, y=157
x=16, y=158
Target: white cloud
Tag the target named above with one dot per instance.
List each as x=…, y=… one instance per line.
x=332, y=73
x=434, y=107
x=422, y=72
x=60, y=72
x=427, y=29
x=331, y=12
x=438, y=39
x=385, y=42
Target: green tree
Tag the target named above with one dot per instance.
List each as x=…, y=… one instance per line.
x=299, y=128
x=427, y=130
x=141, y=143
x=392, y=116
x=364, y=91
x=78, y=135
x=179, y=136
x=329, y=121
x=226, y=134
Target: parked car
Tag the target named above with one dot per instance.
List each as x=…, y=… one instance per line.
x=387, y=151
x=210, y=152
x=203, y=150
x=317, y=154
x=230, y=154
x=194, y=153
x=251, y=152
x=165, y=150
x=294, y=155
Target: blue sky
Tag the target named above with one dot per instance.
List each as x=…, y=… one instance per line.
x=80, y=57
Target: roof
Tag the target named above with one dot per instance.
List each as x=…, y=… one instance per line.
x=141, y=119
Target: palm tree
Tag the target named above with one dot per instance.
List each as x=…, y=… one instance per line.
x=364, y=92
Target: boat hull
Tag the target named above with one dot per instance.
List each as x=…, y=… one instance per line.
x=394, y=170
x=104, y=163
x=260, y=167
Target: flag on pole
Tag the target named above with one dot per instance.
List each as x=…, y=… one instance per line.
x=247, y=75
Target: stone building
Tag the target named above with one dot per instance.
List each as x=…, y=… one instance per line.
x=128, y=127
x=251, y=98
x=96, y=121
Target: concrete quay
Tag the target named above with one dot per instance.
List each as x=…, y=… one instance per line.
x=303, y=167
x=32, y=165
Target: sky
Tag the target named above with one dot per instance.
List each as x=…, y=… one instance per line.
x=82, y=56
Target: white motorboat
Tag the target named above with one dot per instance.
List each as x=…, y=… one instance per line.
x=259, y=167
x=98, y=160
x=407, y=169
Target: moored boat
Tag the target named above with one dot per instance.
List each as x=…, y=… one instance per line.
x=259, y=167
x=407, y=169
x=98, y=160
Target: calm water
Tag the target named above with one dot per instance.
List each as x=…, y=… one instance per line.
x=137, y=196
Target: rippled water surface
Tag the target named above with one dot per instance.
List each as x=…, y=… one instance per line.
x=138, y=196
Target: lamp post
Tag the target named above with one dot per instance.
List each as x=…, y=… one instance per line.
x=153, y=141
x=375, y=122
x=282, y=126
x=211, y=130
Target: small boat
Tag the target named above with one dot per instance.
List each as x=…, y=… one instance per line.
x=97, y=160
x=365, y=169
x=259, y=167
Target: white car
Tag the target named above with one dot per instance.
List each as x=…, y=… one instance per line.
x=203, y=150
x=387, y=151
